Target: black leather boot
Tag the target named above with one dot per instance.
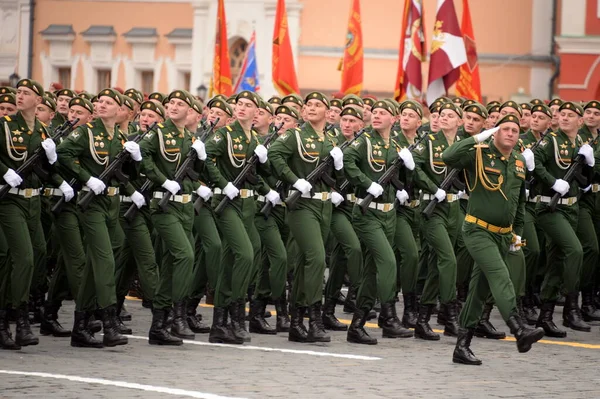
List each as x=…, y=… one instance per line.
x=6, y=340
x=561, y=300
x=390, y=324
x=531, y=314
x=330, y=322
x=93, y=325
x=441, y=315
x=220, y=332
x=180, y=326
x=238, y=321
x=159, y=334
x=123, y=314
x=462, y=352
x=423, y=329
x=545, y=321
x=194, y=320
x=525, y=335
x=485, y=329
x=122, y=328
x=409, y=316
x=257, y=323
x=350, y=302
x=451, y=326
x=109, y=324
x=81, y=337
x=357, y=333
x=588, y=309
x=50, y=325
x=24, y=336
x=316, y=330
x=572, y=314
x=298, y=331
x=283, y=319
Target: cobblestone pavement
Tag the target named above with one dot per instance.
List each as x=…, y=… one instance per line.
x=272, y=367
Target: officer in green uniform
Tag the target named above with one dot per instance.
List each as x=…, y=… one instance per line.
x=163, y=152
x=440, y=230
x=366, y=160
x=21, y=134
x=553, y=158
x=227, y=151
x=496, y=175
x=84, y=155
x=293, y=156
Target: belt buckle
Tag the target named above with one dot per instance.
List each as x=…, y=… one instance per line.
x=324, y=196
x=111, y=191
x=570, y=201
x=386, y=207
x=352, y=198
x=47, y=192
x=185, y=198
x=244, y=193
x=28, y=193
x=595, y=188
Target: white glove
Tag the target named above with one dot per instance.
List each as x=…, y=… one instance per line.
x=515, y=246
x=138, y=199
x=12, y=178
x=273, y=197
x=336, y=198
x=303, y=186
x=588, y=153
x=461, y=194
x=134, y=149
x=529, y=159
x=96, y=185
x=198, y=146
x=406, y=157
x=486, y=134
x=67, y=191
x=204, y=192
x=171, y=186
x=402, y=196
x=261, y=153
x=527, y=193
x=561, y=186
x=588, y=188
x=50, y=147
x=231, y=191
x=375, y=190
x=440, y=195
x=338, y=158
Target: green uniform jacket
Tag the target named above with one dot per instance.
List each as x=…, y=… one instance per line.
x=430, y=170
x=492, y=206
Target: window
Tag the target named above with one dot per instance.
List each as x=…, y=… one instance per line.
x=64, y=77
x=103, y=79
x=147, y=81
x=237, y=52
x=187, y=77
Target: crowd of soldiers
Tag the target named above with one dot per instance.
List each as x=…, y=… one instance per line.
x=251, y=200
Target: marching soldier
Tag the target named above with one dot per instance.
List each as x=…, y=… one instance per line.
x=8, y=104
x=555, y=105
x=63, y=97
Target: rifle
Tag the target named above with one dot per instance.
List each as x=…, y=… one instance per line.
x=446, y=184
x=33, y=162
x=529, y=183
x=390, y=176
x=572, y=174
x=114, y=170
x=186, y=169
x=248, y=171
x=321, y=172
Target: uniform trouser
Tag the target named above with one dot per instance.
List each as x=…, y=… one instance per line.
x=348, y=244
x=490, y=275
x=71, y=259
x=20, y=222
x=375, y=230
x=5, y=270
x=39, y=281
x=515, y=262
x=532, y=250
x=241, y=244
x=309, y=224
x=440, y=232
x=272, y=273
x=566, y=253
x=464, y=261
x=407, y=249
x=208, y=252
x=103, y=242
x=138, y=251
x=174, y=229
x=423, y=262
x=589, y=224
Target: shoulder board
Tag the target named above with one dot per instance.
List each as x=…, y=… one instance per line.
x=298, y=129
x=7, y=118
x=431, y=137
x=367, y=135
x=331, y=134
x=553, y=134
x=229, y=128
x=254, y=134
x=43, y=124
x=89, y=124
x=161, y=125
x=521, y=141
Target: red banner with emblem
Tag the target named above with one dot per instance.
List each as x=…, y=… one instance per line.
x=352, y=68
x=284, y=72
x=409, y=79
x=221, y=81
x=469, y=84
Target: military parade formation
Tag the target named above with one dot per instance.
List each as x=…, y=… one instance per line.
x=445, y=210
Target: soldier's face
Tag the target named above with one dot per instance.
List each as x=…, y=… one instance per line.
x=192, y=121
x=492, y=119
x=289, y=122
x=526, y=119
x=62, y=104
x=409, y=120
x=540, y=122
x=382, y=119
x=245, y=110
x=591, y=118
x=569, y=121
x=506, y=138
x=77, y=111
x=449, y=120
x=473, y=123
x=262, y=119
x=147, y=118
x=555, y=114
x=434, y=122
x=315, y=111
x=215, y=113
x=124, y=114
x=350, y=125
x=333, y=115
x=509, y=111
x=179, y=110
x=44, y=114
x=27, y=99
x=367, y=114
x=7, y=109
x=107, y=108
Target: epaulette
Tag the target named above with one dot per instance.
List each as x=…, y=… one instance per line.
x=7, y=118
x=161, y=125
x=89, y=124
x=43, y=124
x=553, y=134
x=367, y=134
x=229, y=128
x=431, y=137
x=298, y=129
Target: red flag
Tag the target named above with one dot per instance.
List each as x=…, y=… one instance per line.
x=284, y=73
x=469, y=85
x=221, y=82
x=352, y=69
x=447, y=51
x=409, y=81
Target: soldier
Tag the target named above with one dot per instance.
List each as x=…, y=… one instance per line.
x=8, y=104
x=369, y=102
x=334, y=114
x=493, y=110
x=511, y=108
x=62, y=106
x=263, y=118
x=157, y=98
x=555, y=105
x=525, y=121
x=553, y=159
x=46, y=110
x=85, y=154
x=294, y=101
x=496, y=175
